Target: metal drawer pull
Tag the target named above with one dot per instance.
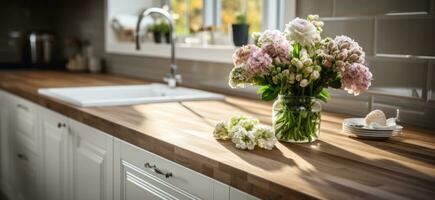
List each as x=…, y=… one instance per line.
x=157, y=170
x=60, y=125
x=23, y=107
x=22, y=157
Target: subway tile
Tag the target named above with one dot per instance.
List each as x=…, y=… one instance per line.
x=322, y=8
x=413, y=35
x=432, y=83
x=379, y=7
x=340, y=99
x=360, y=29
x=398, y=77
x=411, y=111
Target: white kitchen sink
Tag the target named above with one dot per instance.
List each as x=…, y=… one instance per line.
x=126, y=95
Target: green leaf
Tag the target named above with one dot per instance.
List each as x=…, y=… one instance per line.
x=259, y=80
x=269, y=93
x=296, y=49
x=336, y=83
x=262, y=89
x=324, y=95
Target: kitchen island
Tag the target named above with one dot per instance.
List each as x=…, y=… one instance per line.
x=333, y=167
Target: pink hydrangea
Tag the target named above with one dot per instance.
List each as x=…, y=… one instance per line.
x=347, y=50
x=258, y=62
x=274, y=43
x=242, y=54
x=356, y=79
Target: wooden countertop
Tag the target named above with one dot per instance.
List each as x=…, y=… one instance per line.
x=334, y=167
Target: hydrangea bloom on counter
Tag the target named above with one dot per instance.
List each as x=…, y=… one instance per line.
x=245, y=133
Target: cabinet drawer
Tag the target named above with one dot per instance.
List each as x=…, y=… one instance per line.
x=147, y=170
x=26, y=172
x=25, y=121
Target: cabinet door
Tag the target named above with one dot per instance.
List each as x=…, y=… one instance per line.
x=56, y=153
x=5, y=174
x=93, y=163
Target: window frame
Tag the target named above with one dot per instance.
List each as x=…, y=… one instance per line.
x=212, y=13
x=206, y=53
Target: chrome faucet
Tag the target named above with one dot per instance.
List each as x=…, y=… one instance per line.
x=173, y=77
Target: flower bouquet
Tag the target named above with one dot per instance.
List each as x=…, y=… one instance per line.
x=298, y=66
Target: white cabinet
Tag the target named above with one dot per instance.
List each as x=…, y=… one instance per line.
x=77, y=160
x=25, y=157
x=93, y=163
x=140, y=174
x=45, y=155
x=56, y=152
x=5, y=164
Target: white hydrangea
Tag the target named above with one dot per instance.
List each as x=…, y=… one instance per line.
x=302, y=31
x=221, y=131
x=244, y=121
x=242, y=138
x=245, y=132
x=264, y=137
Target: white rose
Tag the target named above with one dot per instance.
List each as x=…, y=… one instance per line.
x=307, y=62
x=298, y=77
x=304, y=83
x=292, y=77
x=308, y=69
x=296, y=62
x=303, y=54
x=302, y=31
x=315, y=75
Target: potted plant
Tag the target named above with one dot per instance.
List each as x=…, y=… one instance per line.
x=296, y=67
x=240, y=30
x=159, y=30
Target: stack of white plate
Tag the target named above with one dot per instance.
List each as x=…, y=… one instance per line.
x=356, y=127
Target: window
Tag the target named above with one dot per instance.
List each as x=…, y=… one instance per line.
x=252, y=9
x=193, y=16
x=188, y=15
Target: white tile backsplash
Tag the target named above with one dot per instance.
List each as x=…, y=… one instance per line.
x=400, y=77
x=379, y=7
x=323, y=8
x=411, y=111
x=360, y=29
x=406, y=35
x=431, y=81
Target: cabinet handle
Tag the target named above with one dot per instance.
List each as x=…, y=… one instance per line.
x=157, y=170
x=22, y=157
x=23, y=107
x=61, y=125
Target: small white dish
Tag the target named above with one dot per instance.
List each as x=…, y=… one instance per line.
x=356, y=127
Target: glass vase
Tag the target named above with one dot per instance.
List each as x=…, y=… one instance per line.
x=296, y=119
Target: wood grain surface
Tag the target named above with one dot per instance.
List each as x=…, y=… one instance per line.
x=334, y=167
